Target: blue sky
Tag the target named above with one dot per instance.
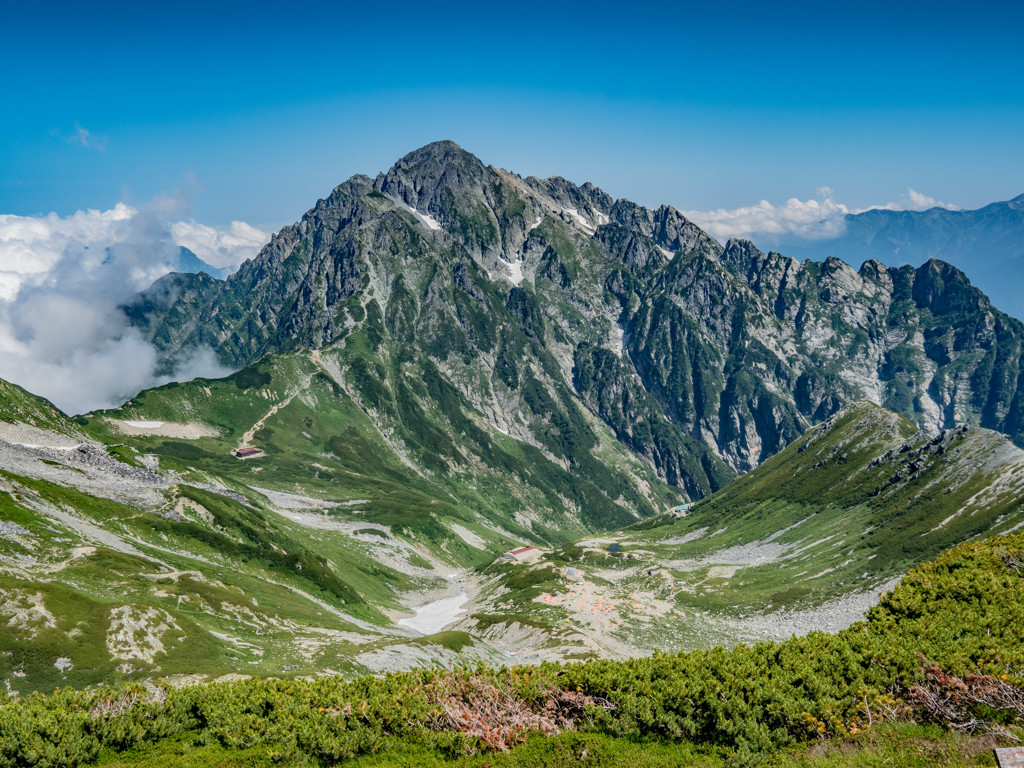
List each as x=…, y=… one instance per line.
x=145, y=127
x=256, y=110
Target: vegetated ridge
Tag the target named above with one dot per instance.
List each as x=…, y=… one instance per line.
x=136, y=546
x=806, y=541
x=133, y=543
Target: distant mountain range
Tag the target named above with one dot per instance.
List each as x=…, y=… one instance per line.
x=987, y=244
x=187, y=261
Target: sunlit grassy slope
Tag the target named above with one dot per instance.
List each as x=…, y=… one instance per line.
x=803, y=542
x=298, y=561
x=950, y=633
x=369, y=491
x=403, y=442
x=20, y=407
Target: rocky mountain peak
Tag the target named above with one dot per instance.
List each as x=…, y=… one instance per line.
x=443, y=152
x=873, y=269
x=591, y=204
x=742, y=254
x=944, y=289
x=533, y=294
x=666, y=226
x=421, y=177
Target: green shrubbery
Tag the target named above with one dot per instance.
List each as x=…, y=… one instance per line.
x=961, y=614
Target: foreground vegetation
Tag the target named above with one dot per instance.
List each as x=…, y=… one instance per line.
x=904, y=745
x=946, y=646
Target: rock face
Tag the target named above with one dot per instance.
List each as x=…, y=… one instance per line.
x=987, y=242
x=541, y=301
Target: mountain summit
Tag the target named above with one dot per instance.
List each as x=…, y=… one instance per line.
x=543, y=302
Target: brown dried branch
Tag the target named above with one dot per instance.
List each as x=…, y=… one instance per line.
x=954, y=701
x=492, y=713
x=1015, y=561
x=114, y=706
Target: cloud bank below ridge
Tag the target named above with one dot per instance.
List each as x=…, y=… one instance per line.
x=821, y=218
x=63, y=281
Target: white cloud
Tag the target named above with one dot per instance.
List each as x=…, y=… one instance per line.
x=86, y=138
x=820, y=218
x=33, y=245
x=219, y=247
x=817, y=219
x=62, y=281
x=913, y=201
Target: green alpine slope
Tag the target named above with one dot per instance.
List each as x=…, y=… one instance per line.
x=141, y=547
x=352, y=423
x=135, y=544
x=806, y=541
x=20, y=407
x=931, y=677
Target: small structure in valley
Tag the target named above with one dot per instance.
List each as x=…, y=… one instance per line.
x=248, y=453
x=573, y=574
x=522, y=555
x=681, y=510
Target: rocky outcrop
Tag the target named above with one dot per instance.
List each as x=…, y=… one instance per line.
x=538, y=298
x=986, y=242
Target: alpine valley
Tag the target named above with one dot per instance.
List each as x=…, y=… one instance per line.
x=706, y=444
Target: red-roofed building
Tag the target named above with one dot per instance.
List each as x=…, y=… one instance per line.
x=522, y=555
x=248, y=453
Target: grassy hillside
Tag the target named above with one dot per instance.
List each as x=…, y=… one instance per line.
x=93, y=590
x=804, y=542
x=945, y=647
x=157, y=553
x=398, y=440
x=134, y=544
x=856, y=501
x=20, y=407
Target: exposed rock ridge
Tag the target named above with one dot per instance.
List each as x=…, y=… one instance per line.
x=528, y=279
